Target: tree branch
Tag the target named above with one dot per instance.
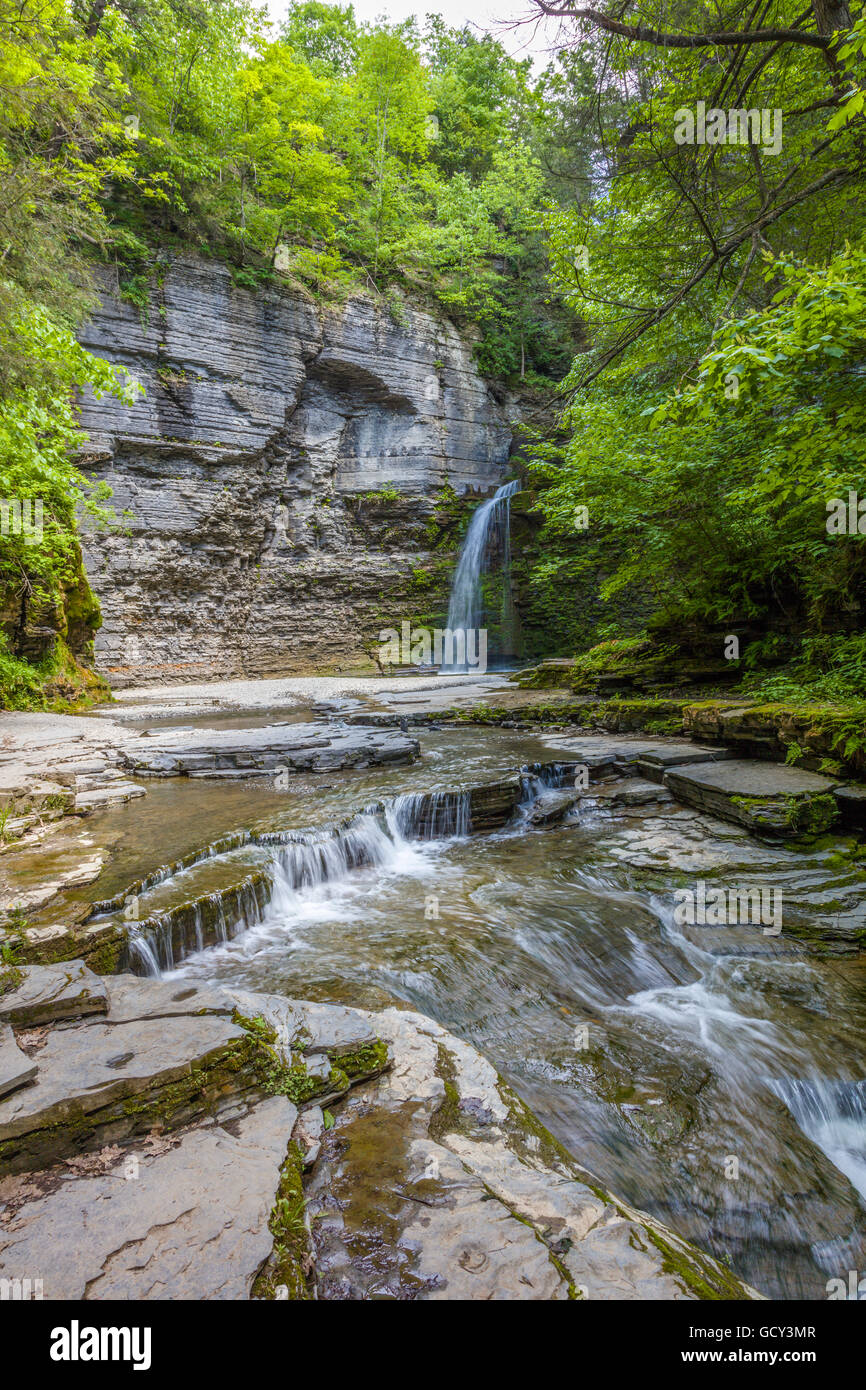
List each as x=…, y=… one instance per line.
x=723, y=253
x=726, y=38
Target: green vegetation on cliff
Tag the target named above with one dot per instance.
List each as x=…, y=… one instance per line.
x=705, y=480
x=324, y=154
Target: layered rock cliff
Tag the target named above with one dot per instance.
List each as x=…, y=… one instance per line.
x=286, y=479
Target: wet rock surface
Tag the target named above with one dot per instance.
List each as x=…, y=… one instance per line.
x=49, y=993
x=436, y=1183
x=290, y=748
x=430, y=1181
x=16, y=1069
x=768, y=797
x=98, y=1082
x=187, y=1223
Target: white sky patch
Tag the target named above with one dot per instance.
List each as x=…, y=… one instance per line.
x=534, y=40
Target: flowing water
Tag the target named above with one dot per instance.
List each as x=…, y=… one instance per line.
x=716, y=1081
x=488, y=529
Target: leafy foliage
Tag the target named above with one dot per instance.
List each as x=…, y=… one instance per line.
x=721, y=408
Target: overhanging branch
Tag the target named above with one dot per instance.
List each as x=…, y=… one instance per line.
x=723, y=38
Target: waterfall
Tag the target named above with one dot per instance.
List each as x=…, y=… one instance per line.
x=297, y=861
x=833, y=1115
x=301, y=860
x=465, y=607
x=160, y=942
x=310, y=858
x=429, y=815
x=537, y=778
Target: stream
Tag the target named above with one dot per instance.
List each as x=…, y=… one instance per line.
x=713, y=1078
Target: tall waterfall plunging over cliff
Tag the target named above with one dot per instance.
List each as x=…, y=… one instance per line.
x=489, y=530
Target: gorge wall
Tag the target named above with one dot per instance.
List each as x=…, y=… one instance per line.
x=284, y=483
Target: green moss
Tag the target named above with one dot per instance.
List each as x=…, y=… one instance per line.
x=275, y=1076
x=256, y=1026
x=162, y=1107
x=813, y=815
x=102, y=951
x=372, y=1057
x=663, y=726
x=564, y=712
x=807, y=817
x=699, y=1276
x=291, y=1255
x=447, y=1117
x=338, y=1080
x=11, y=974
x=279, y=1078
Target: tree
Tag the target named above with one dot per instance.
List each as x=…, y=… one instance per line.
x=710, y=206
x=326, y=36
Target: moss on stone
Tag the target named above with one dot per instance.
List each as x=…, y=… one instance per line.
x=102, y=950
x=813, y=815
x=364, y=1061
x=291, y=1257
x=234, y=1071
x=446, y=1119
x=292, y=1079
x=700, y=1276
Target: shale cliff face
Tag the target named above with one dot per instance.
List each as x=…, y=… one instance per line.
x=256, y=539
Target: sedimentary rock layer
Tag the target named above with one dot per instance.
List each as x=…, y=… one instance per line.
x=251, y=545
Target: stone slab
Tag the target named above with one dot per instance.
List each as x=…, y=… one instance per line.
x=851, y=800
x=751, y=778
x=191, y=1224
x=48, y=993
x=86, y=1067
x=131, y=997
x=308, y=1028
x=16, y=1068
x=98, y=798
x=750, y=792
x=552, y=806
x=332, y=1028
x=631, y=791
x=291, y=748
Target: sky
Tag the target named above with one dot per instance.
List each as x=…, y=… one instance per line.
x=497, y=17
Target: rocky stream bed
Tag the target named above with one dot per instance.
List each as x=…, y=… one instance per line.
x=315, y=995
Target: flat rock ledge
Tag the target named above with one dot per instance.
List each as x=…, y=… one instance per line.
x=194, y=1142
x=57, y=765
x=768, y=799
x=259, y=752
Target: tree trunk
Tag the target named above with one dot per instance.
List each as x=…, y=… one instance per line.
x=831, y=15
